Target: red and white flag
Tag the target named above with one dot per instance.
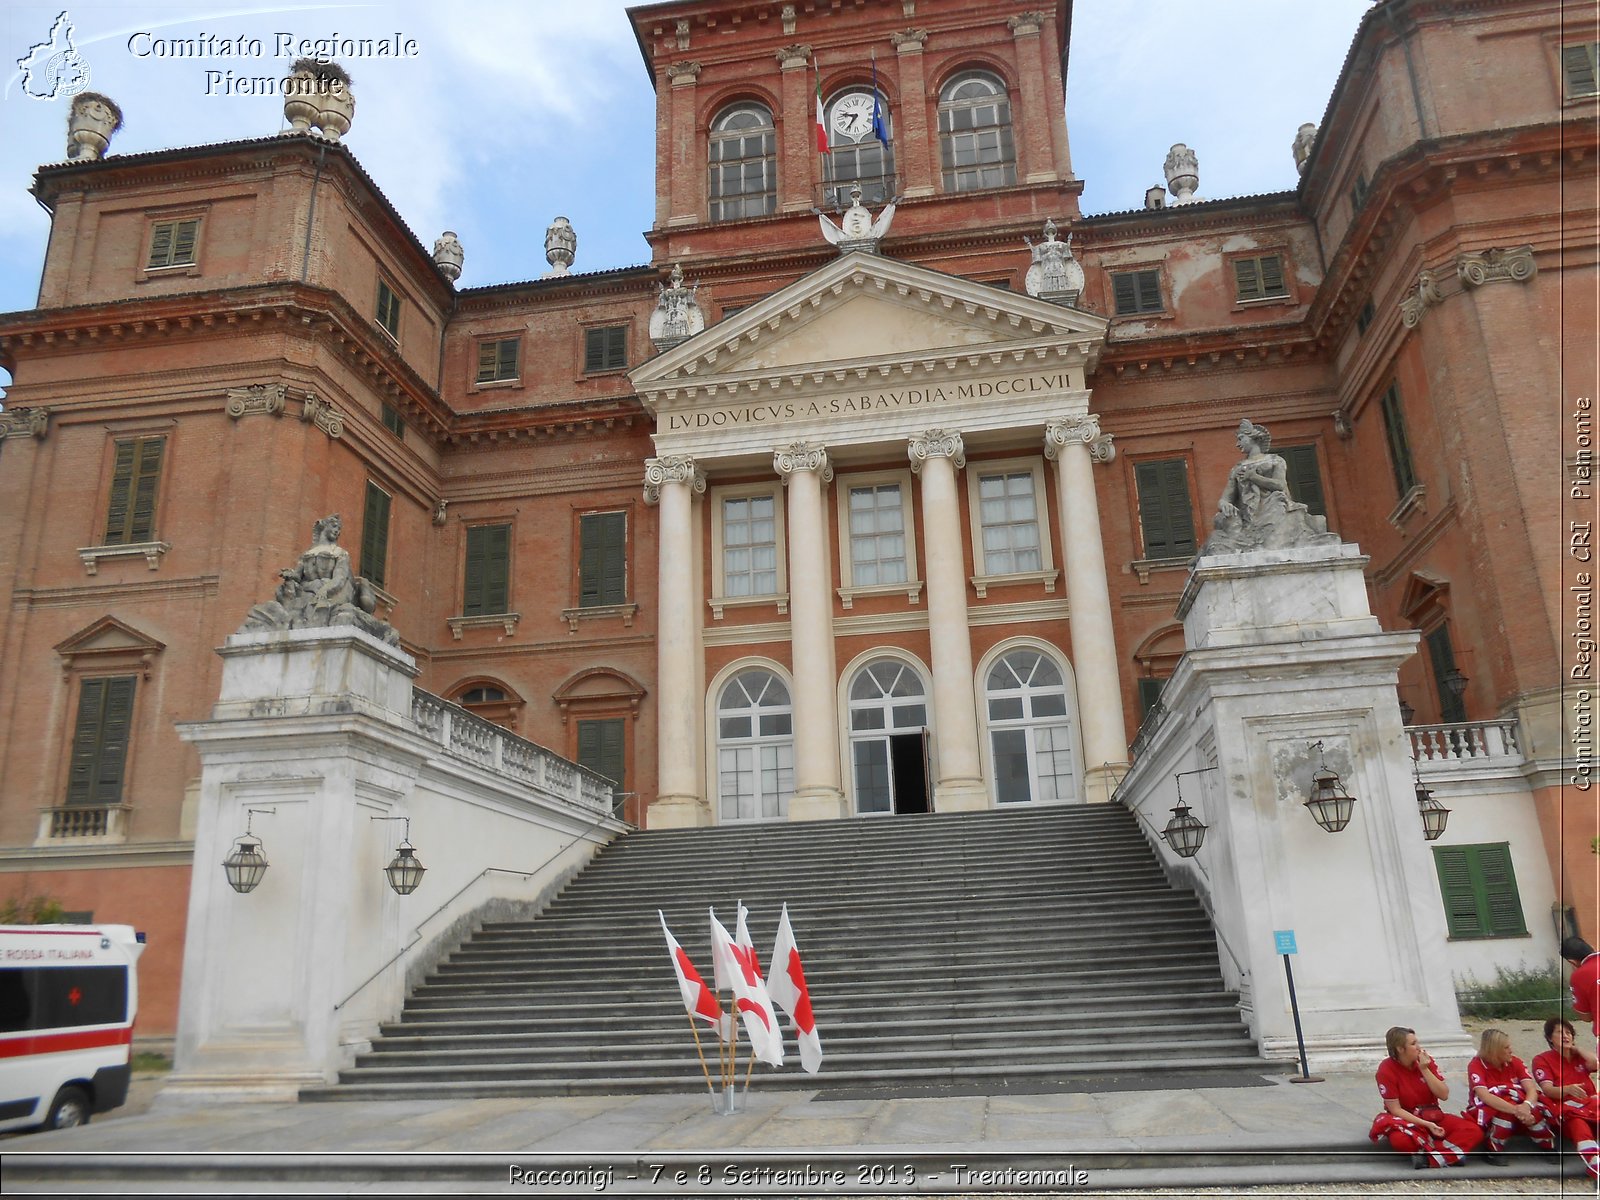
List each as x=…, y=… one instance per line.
x=700, y=1000
x=737, y=969
x=786, y=984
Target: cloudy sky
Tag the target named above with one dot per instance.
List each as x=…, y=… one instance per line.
x=514, y=111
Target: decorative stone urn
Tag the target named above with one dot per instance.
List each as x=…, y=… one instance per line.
x=318, y=94
x=448, y=255
x=1183, y=174
x=1303, y=141
x=560, y=246
x=91, y=121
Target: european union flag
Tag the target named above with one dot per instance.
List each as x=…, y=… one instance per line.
x=880, y=126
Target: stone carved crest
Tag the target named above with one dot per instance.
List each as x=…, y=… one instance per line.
x=1494, y=266
x=265, y=398
x=321, y=591
x=857, y=230
x=787, y=13
x=322, y=414
x=25, y=422
x=1256, y=511
x=1424, y=295
x=677, y=314
x=681, y=29
x=1054, y=274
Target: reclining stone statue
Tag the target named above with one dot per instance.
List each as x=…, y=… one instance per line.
x=321, y=591
x=1256, y=511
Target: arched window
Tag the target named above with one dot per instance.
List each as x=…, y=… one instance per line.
x=975, y=133
x=1030, y=731
x=755, y=747
x=744, y=163
x=857, y=156
x=888, y=711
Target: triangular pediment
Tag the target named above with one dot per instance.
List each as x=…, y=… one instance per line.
x=108, y=636
x=866, y=313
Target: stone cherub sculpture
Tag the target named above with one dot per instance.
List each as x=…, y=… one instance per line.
x=1256, y=511
x=321, y=591
x=857, y=229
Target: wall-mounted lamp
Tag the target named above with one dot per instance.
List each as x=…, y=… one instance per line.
x=246, y=865
x=405, y=870
x=1185, y=833
x=1434, y=815
x=1330, y=805
x=1455, y=681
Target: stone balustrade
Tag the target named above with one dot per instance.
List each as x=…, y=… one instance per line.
x=1466, y=741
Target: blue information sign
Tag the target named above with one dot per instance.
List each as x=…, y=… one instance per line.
x=1285, y=940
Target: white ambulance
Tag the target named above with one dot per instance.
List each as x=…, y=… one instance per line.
x=68, y=996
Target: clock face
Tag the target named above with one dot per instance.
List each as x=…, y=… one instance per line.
x=852, y=115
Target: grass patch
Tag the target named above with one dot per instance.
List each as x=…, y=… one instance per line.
x=146, y=1060
x=1517, y=994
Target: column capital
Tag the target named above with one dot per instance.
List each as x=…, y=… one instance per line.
x=1074, y=430
x=802, y=456
x=1025, y=23
x=937, y=443
x=909, y=41
x=683, y=73
x=672, y=468
x=794, y=57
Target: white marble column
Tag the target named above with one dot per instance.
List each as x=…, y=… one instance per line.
x=817, y=794
x=936, y=455
x=673, y=482
x=1075, y=444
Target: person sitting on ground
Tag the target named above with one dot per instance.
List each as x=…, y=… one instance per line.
x=1565, y=1074
x=1413, y=1089
x=1585, y=980
x=1504, y=1099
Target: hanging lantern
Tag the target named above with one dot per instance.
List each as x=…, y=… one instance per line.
x=1434, y=815
x=246, y=865
x=1330, y=805
x=1184, y=833
x=405, y=870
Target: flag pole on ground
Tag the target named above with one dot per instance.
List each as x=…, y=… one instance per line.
x=698, y=1000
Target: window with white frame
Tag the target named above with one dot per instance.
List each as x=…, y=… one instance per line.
x=747, y=547
x=755, y=747
x=1030, y=729
x=1010, y=529
x=888, y=711
x=743, y=149
x=975, y=145
x=877, y=534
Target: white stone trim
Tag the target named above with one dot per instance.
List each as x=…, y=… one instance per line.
x=508, y=621
x=708, y=702
x=842, y=716
x=151, y=552
x=1069, y=679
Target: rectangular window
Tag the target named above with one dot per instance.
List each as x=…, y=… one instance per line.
x=393, y=421
x=497, y=361
x=100, y=741
x=1442, y=658
x=605, y=349
x=375, y=534
x=1394, y=427
x=601, y=749
x=1009, y=517
x=172, y=244
x=602, y=559
x=877, y=535
x=1149, y=695
x=1579, y=66
x=1480, y=891
x=388, y=309
x=1136, y=291
x=136, y=471
x=1165, y=514
x=749, y=546
x=1305, y=477
x=1260, y=278
x=488, y=582
x=1366, y=316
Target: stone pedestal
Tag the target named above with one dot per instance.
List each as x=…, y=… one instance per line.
x=1285, y=652
x=315, y=725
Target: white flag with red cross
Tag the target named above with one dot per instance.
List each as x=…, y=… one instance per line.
x=737, y=968
x=786, y=984
x=700, y=1000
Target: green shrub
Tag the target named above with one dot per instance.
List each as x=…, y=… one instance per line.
x=30, y=910
x=1517, y=994
x=149, y=1060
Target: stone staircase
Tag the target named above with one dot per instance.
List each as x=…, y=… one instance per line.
x=950, y=950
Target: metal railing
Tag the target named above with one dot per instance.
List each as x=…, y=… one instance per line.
x=463, y=735
x=876, y=191
x=1463, y=741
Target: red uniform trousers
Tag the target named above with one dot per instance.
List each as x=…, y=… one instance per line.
x=1498, y=1126
x=1577, y=1119
x=1461, y=1136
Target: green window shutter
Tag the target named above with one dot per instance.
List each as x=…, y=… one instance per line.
x=602, y=559
x=135, y=476
x=1148, y=285
x=1442, y=657
x=1305, y=478
x=100, y=741
x=121, y=492
x=183, y=240
x=506, y=362
x=1499, y=891
x=1394, y=425
x=388, y=309
x=486, y=361
x=488, y=574
x=1272, y=283
x=602, y=749
x=1247, y=278
x=605, y=349
x=1125, y=288
x=375, y=535
x=1461, y=914
x=594, y=349
x=160, y=245
x=1578, y=64
x=1165, y=514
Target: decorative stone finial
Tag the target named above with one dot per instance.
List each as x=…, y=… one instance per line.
x=317, y=94
x=856, y=229
x=449, y=255
x=321, y=591
x=560, y=247
x=1303, y=140
x=1054, y=274
x=1183, y=174
x=91, y=121
x=1256, y=511
x=677, y=316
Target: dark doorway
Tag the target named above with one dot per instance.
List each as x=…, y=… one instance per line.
x=909, y=764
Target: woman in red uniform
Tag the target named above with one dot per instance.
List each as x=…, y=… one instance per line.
x=1505, y=1100
x=1413, y=1089
x=1565, y=1074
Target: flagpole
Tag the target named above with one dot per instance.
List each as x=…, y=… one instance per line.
x=698, y=1049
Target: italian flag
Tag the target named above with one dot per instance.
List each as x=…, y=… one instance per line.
x=822, y=128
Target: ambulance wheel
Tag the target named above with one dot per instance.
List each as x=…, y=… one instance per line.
x=70, y=1108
